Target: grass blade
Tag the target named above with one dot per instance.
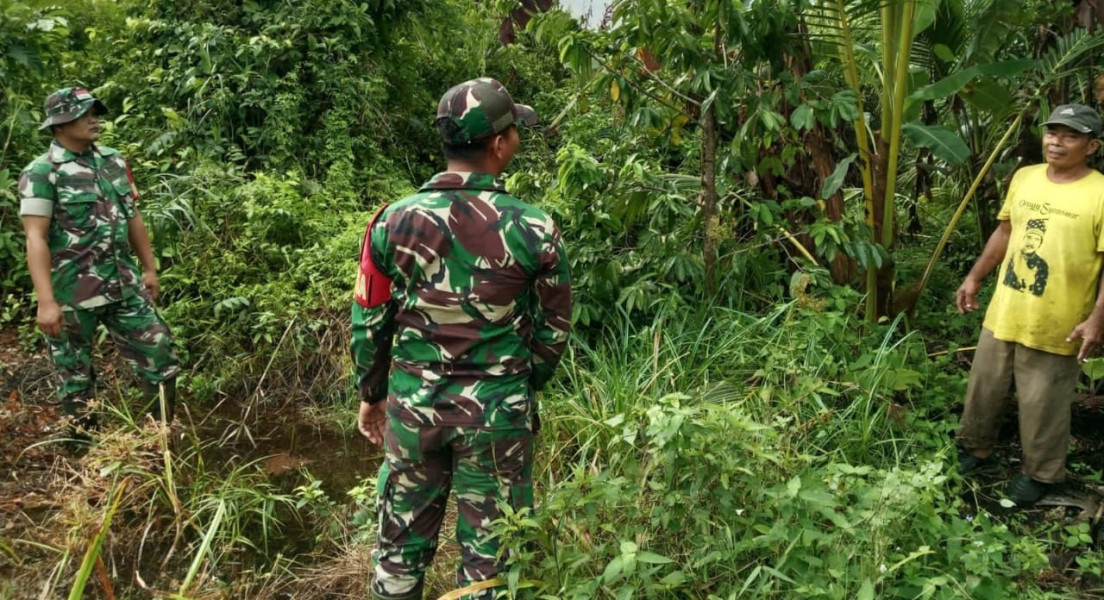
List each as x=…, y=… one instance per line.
x=93, y=553
x=204, y=548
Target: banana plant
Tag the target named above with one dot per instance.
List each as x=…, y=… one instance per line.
x=842, y=23
x=894, y=27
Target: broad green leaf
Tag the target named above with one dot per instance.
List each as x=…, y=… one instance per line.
x=944, y=87
x=612, y=571
x=673, y=579
x=945, y=144
x=772, y=121
x=794, y=486
x=878, y=254
x=1007, y=68
x=845, y=102
x=987, y=95
x=866, y=590
x=943, y=52
x=956, y=81
x=803, y=118
x=1094, y=368
x=173, y=116
x=652, y=558
x=834, y=181
x=925, y=15
x=817, y=498
x=862, y=255
x=902, y=379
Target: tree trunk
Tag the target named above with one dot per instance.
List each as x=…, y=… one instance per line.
x=709, y=185
x=922, y=190
x=883, y=291
x=820, y=149
x=923, y=173
x=709, y=197
x=520, y=17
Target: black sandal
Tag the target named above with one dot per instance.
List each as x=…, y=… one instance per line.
x=1025, y=491
x=968, y=463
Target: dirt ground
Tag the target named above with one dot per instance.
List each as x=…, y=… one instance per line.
x=285, y=443
x=288, y=445
x=1079, y=499
x=26, y=420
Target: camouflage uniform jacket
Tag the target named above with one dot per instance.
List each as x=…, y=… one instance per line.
x=480, y=309
x=89, y=198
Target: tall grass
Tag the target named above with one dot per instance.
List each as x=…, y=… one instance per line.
x=719, y=454
x=153, y=510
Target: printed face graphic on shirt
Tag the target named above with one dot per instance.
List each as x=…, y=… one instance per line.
x=1026, y=271
x=1031, y=241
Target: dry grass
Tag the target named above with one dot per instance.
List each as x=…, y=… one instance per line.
x=53, y=502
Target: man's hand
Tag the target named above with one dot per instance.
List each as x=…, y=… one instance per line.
x=372, y=420
x=149, y=279
x=49, y=318
x=966, y=296
x=1090, y=332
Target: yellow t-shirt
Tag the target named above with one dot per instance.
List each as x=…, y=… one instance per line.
x=1048, y=279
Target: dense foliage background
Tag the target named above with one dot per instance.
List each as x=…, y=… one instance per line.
x=760, y=394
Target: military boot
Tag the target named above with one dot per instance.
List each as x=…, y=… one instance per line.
x=80, y=422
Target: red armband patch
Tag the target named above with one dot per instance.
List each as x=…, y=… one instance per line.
x=133, y=188
x=373, y=288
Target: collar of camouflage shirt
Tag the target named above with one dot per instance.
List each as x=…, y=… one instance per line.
x=60, y=154
x=461, y=180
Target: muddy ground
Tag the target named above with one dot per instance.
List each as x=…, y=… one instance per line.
x=288, y=445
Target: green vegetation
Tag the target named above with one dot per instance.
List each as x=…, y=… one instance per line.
x=760, y=395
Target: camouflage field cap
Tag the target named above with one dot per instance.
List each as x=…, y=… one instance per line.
x=480, y=108
x=1077, y=117
x=69, y=104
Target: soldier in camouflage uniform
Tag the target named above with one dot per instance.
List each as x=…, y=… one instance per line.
x=479, y=312
x=83, y=226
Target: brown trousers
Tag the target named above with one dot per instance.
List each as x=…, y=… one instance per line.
x=1045, y=384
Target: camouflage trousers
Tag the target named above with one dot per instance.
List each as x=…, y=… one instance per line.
x=488, y=468
x=141, y=335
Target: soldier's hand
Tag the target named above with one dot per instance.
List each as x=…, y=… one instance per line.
x=49, y=318
x=149, y=279
x=966, y=296
x=372, y=420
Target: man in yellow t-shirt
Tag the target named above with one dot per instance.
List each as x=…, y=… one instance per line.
x=1047, y=313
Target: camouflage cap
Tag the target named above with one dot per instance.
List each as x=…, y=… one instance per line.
x=480, y=108
x=1077, y=117
x=69, y=104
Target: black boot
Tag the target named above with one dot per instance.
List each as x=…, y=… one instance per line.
x=80, y=423
x=153, y=395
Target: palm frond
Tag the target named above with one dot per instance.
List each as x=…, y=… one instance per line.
x=950, y=29
x=832, y=21
x=1069, y=54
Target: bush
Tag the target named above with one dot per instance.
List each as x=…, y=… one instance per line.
x=718, y=455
